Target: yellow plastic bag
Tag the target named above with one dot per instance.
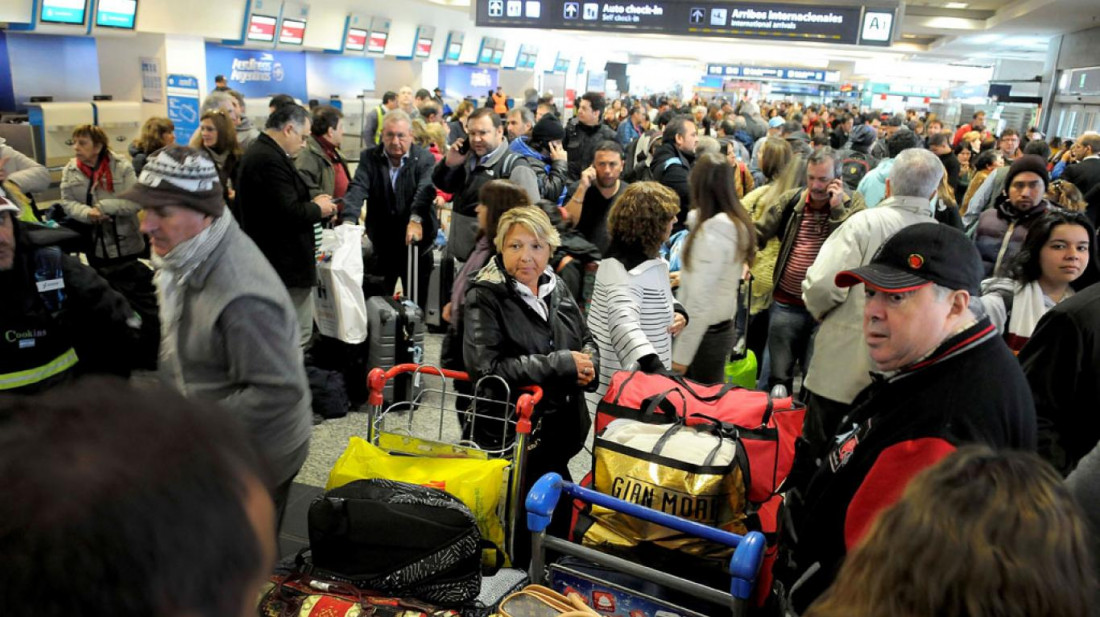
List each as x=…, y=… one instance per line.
x=477, y=483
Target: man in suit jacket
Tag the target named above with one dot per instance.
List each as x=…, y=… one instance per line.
x=1085, y=174
x=396, y=182
x=274, y=207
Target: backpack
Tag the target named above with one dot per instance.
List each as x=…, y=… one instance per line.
x=330, y=397
x=854, y=166
x=396, y=538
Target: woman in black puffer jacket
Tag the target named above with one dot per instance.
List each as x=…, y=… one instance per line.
x=522, y=324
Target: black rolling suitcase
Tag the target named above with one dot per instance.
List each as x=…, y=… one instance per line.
x=395, y=333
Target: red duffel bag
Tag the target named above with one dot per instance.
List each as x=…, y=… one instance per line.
x=767, y=427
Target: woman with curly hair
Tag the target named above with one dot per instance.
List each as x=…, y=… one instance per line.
x=981, y=534
x=156, y=133
x=634, y=315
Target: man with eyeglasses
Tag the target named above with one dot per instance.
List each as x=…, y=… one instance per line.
x=275, y=209
x=396, y=183
x=471, y=162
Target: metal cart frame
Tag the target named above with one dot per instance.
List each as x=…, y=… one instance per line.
x=517, y=416
x=744, y=564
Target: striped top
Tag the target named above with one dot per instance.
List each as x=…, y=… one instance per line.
x=811, y=234
x=629, y=317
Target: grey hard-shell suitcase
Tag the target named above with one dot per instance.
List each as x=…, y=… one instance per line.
x=439, y=288
x=395, y=328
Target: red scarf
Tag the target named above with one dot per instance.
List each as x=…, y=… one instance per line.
x=101, y=175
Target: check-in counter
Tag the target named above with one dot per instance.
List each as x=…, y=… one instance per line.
x=54, y=124
x=121, y=121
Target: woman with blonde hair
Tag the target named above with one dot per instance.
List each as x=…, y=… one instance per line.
x=980, y=534
x=721, y=243
x=633, y=315
x=524, y=326
x=1066, y=194
x=156, y=133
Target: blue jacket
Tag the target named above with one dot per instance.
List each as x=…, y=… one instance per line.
x=626, y=132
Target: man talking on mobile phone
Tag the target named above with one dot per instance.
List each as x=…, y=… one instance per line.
x=803, y=218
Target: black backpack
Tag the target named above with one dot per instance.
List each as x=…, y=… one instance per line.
x=397, y=538
x=854, y=166
x=330, y=396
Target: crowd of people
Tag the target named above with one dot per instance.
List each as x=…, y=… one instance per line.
x=929, y=292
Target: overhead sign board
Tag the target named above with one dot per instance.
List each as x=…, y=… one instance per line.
x=850, y=25
x=773, y=73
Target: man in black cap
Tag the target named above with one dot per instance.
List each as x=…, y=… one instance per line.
x=1002, y=229
x=942, y=378
x=543, y=152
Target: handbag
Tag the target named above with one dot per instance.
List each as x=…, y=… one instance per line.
x=539, y=601
x=766, y=427
x=340, y=307
x=697, y=473
x=396, y=538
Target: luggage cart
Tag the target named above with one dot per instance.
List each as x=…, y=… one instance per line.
x=744, y=564
x=404, y=421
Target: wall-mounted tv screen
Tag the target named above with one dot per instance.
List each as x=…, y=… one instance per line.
x=292, y=31
x=116, y=14
x=377, y=42
x=486, y=55
x=63, y=11
x=357, y=40
x=498, y=56
x=261, y=28
x=423, y=48
x=454, y=52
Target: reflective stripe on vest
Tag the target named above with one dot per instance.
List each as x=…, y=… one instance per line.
x=378, y=130
x=58, y=365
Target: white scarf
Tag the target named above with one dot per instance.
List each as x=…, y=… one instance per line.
x=173, y=270
x=1028, y=305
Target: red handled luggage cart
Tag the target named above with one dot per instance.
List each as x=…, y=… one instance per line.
x=423, y=426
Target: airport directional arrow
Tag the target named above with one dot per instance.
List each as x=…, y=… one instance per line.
x=570, y=10
x=496, y=7
x=696, y=15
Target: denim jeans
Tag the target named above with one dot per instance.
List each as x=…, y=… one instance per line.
x=790, y=335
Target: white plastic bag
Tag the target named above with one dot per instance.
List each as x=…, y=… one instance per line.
x=340, y=309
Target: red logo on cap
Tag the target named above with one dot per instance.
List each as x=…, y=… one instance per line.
x=916, y=262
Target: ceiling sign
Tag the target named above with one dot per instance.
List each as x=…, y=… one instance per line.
x=851, y=25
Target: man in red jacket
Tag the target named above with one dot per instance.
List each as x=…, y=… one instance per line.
x=942, y=379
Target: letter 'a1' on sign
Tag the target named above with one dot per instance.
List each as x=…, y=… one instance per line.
x=877, y=26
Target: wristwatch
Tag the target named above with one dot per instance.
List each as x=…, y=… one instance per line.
x=415, y=218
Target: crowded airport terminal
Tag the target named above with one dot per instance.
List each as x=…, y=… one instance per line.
x=540, y=308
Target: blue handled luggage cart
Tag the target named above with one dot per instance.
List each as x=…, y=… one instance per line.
x=744, y=564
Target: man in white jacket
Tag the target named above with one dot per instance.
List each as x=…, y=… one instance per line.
x=841, y=365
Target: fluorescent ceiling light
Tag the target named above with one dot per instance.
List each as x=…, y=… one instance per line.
x=955, y=5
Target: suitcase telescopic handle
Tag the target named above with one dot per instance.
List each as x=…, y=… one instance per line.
x=748, y=552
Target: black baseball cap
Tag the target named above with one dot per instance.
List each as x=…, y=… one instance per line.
x=918, y=256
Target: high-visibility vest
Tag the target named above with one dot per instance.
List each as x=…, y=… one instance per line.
x=34, y=348
x=378, y=129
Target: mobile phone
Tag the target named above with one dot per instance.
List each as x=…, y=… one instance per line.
x=464, y=147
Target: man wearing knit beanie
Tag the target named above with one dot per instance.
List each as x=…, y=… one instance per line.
x=1001, y=230
x=229, y=333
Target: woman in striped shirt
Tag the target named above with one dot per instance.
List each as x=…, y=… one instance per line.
x=634, y=315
